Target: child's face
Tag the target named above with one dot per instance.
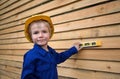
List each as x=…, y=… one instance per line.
x=40, y=33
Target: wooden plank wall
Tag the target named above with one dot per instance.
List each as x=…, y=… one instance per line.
x=74, y=20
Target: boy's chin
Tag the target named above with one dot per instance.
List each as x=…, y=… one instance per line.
x=42, y=44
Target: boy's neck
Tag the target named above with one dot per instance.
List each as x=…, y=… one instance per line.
x=45, y=47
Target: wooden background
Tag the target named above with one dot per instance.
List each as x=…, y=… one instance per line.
x=74, y=20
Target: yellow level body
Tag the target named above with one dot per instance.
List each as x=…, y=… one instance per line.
x=91, y=44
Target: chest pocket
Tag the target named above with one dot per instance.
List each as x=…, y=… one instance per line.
x=43, y=66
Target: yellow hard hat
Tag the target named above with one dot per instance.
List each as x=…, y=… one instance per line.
x=35, y=18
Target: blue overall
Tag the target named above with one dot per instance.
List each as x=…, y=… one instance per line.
x=41, y=64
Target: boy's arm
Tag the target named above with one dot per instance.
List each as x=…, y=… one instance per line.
x=61, y=57
x=28, y=68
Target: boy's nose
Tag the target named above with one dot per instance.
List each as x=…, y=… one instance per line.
x=40, y=35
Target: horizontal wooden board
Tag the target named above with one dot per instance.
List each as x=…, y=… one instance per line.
x=22, y=8
x=13, y=35
x=105, y=31
x=9, y=74
x=105, y=55
x=35, y=10
x=63, y=9
x=62, y=77
x=85, y=13
x=77, y=25
x=19, y=5
x=8, y=3
x=14, y=40
x=10, y=69
x=11, y=63
x=107, y=43
x=82, y=64
x=93, y=65
x=86, y=23
x=13, y=6
x=13, y=58
x=12, y=29
x=17, y=46
x=36, y=2
x=111, y=55
x=75, y=73
x=85, y=74
x=3, y=2
x=4, y=77
x=13, y=52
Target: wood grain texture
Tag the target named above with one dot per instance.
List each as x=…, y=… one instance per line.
x=74, y=20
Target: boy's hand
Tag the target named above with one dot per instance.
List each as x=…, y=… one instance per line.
x=78, y=45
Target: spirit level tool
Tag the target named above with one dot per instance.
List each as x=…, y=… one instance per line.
x=91, y=44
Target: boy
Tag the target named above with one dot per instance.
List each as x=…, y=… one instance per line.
x=41, y=61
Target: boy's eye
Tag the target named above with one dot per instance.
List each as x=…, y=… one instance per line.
x=36, y=32
x=44, y=31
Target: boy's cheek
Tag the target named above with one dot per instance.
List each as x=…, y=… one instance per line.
x=33, y=38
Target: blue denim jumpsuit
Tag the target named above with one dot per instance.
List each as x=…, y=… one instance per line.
x=41, y=64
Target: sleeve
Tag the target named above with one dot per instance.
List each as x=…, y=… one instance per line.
x=28, y=68
x=61, y=57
